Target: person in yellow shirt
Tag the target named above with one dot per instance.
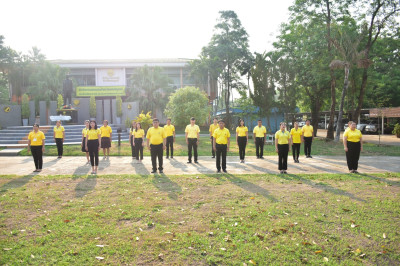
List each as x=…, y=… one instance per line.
x=242, y=137
x=106, y=138
x=282, y=147
x=131, y=130
x=84, y=133
x=308, y=137
x=93, y=145
x=348, y=125
x=221, y=145
x=212, y=128
x=36, y=144
x=260, y=133
x=156, y=143
x=296, y=134
x=59, y=136
x=170, y=132
x=138, y=135
x=353, y=145
x=192, y=135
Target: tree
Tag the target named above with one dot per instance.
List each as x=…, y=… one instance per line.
x=150, y=87
x=25, y=111
x=229, y=47
x=185, y=103
x=92, y=107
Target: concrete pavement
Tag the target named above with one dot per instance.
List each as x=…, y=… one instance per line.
x=23, y=165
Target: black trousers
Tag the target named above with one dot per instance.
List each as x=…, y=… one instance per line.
x=296, y=150
x=192, y=143
x=59, y=143
x=93, y=148
x=259, y=147
x=37, y=154
x=170, y=145
x=307, y=146
x=353, y=154
x=283, y=150
x=221, y=150
x=156, y=151
x=242, y=141
x=67, y=96
x=212, y=147
x=139, y=148
x=133, y=148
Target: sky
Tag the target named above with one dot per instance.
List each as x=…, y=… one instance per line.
x=117, y=29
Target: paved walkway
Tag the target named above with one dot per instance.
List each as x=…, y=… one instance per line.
x=23, y=165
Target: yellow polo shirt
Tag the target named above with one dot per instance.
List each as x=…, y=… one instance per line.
x=221, y=136
x=93, y=134
x=156, y=136
x=307, y=130
x=296, y=135
x=106, y=131
x=213, y=127
x=353, y=135
x=169, y=130
x=260, y=131
x=241, y=131
x=138, y=133
x=192, y=131
x=59, y=132
x=84, y=132
x=283, y=138
x=36, y=138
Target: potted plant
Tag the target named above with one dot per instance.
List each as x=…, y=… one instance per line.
x=128, y=123
x=25, y=111
x=119, y=109
x=92, y=108
x=60, y=101
x=396, y=130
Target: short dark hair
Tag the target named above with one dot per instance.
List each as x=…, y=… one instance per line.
x=219, y=121
x=192, y=118
x=215, y=118
x=169, y=119
x=36, y=125
x=95, y=124
x=105, y=121
x=259, y=120
x=156, y=120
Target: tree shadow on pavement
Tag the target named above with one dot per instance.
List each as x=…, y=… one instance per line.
x=164, y=184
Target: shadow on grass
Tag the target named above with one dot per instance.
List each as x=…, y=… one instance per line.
x=16, y=183
x=81, y=170
x=380, y=179
x=324, y=187
x=203, y=169
x=164, y=184
x=85, y=186
x=246, y=185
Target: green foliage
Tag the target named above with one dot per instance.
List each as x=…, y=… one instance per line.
x=60, y=101
x=145, y=120
x=119, y=106
x=185, y=103
x=396, y=130
x=128, y=122
x=92, y=107
x=4, y=93
x=25, y=111
x=150, y=87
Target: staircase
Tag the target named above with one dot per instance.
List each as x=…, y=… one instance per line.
x=17, y=136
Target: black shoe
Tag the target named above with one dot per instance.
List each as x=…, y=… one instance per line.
x=196, y=162
x=166, y=157
x=258, y=157
x=224, y=171
x=309, y=156
x=172, y=157
x=297, y=161
x=261, y=157
x=189, y=161
x=213, y=157
x=154, y=171
x=218, y=171
x=161, y=171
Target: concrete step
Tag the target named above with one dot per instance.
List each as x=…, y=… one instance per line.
x=10, y=152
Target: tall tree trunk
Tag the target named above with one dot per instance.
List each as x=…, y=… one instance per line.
x=346, y=84
x=357, y=111
x=329, y=134
x=227, y=96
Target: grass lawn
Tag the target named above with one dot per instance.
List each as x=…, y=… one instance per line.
x=319, y=147
x=198, y=219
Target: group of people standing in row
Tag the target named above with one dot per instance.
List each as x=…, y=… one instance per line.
x=163, y=138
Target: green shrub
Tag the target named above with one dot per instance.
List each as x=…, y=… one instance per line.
x=60, y=101
x=25, y=111
x=119, y=106
x=92, y=107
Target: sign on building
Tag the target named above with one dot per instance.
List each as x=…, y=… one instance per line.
x=110, y=77
x=100, y=91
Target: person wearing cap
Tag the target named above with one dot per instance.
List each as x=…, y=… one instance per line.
x=260, y=133
x=282, y=147
x=221, y=145
x=156, y=144
x=192, y=135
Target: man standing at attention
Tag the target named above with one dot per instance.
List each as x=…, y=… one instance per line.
x=221, y=145
x=170, y=132
x=308, y=137
x=156, y=144
x=260, y=133
x=213, y=127
x=192, y=134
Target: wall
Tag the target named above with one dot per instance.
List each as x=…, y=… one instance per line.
x=11, y=118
